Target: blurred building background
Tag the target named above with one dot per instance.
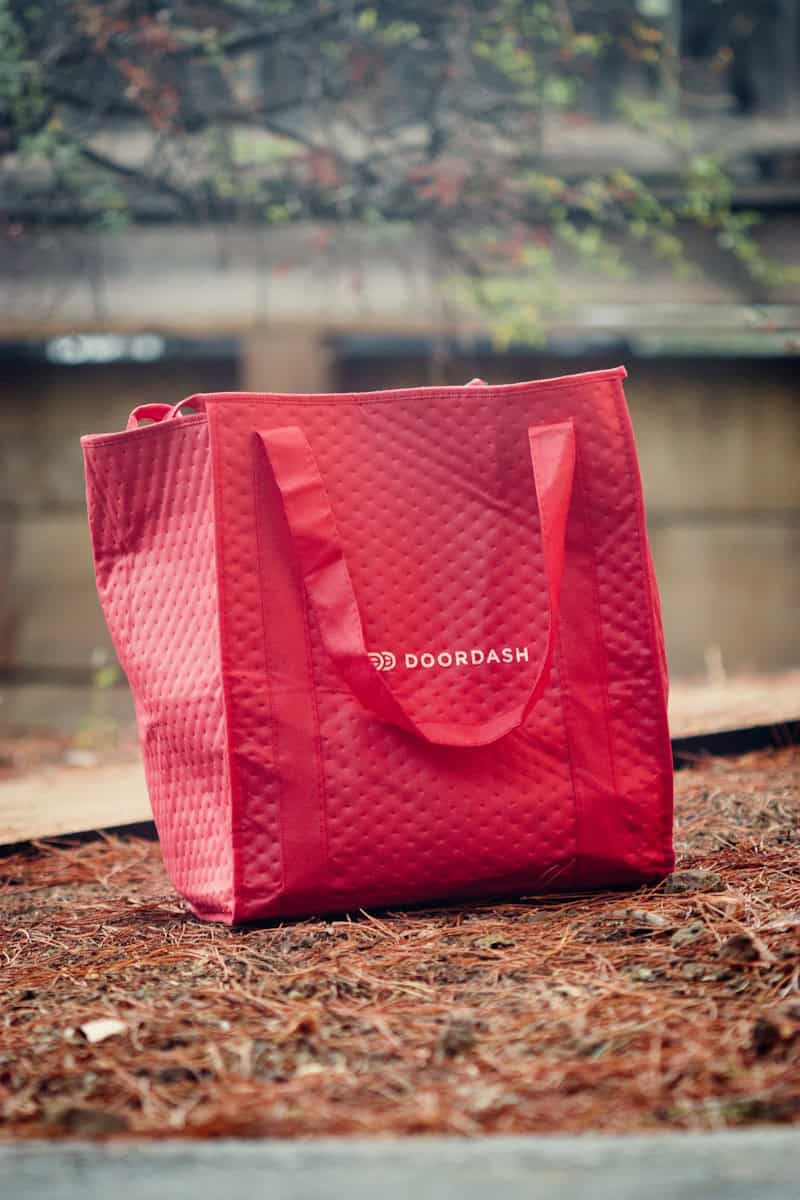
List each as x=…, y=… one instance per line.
x=92, y=325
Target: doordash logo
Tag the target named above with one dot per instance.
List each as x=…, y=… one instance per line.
x=384, y=660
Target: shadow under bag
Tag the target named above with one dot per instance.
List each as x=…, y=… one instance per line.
x=389, y=647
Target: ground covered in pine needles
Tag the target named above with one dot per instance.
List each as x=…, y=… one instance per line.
x=674, y=1007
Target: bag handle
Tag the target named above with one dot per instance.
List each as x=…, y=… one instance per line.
x=163, y=412
x=330, y=588
x=147, y=412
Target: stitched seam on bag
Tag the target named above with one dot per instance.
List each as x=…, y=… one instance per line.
x=560, y=659
x=552, y=627
x=597, y=614
x=99, y=501
x=109, y=503
x=426, y=394
x=274, y=745
x=664, y=748
x=234, y=783
x=321, y=781
x=635, y=844
x=227, y=777
x=366, y=400
x=577, y=804
x=322, y=803
x=128, y=573
x=554, y=634
x=124, y=437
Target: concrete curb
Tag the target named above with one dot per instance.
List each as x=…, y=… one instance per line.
x=755, y=1164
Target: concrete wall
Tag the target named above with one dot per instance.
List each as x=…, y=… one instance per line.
x=720, y=454
x=50, y=619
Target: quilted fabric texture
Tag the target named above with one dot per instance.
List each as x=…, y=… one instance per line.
x=327, y=607
x=151, y=515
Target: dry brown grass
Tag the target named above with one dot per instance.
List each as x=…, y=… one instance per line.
x=608, y=1012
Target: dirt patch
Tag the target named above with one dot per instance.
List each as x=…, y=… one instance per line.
x=672, y=1007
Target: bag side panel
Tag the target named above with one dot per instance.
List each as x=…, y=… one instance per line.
x=634, y=644
x=151, y=516
x=611, y=655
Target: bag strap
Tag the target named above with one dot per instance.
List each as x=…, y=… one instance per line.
x=147, y=412
x=330, y=588
x=164, y=412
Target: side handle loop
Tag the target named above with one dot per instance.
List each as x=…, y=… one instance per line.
x=147, y=412
x=163, y=412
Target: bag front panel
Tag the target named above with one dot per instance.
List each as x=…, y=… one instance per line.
x=432, y=494
x=436, y=506
x=149, y=495
x=632, y=638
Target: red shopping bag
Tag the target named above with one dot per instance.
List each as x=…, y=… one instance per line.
x=389, y=647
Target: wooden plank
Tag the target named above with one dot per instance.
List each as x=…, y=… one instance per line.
x=739, y=703
x=61, y=800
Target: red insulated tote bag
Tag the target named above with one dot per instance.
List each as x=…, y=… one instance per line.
x=389, y=647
